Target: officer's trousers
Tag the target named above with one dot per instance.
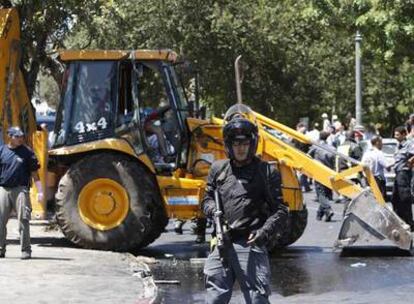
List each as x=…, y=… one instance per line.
x=324, y=195
x=401, y=197
x=249, y=265
x=16, y=198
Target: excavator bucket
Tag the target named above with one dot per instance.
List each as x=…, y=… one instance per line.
x=366, y=220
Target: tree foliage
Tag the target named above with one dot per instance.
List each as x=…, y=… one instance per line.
x=298, y=56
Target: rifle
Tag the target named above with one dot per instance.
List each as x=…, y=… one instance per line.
x=219, y=229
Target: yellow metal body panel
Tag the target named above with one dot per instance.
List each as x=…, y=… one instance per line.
x=182, y=196
x=114, y=144
x=165, y=55
x=68, y=55
x=40, y=149
x=15, y=107
x=206, y=146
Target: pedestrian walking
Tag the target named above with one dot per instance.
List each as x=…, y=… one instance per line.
x=401, y=195
x=18, y=164
x=376, y=161
x=314, y=133
x=326, y=156
x=326, y=123
x=253, y=211
x=350, y=148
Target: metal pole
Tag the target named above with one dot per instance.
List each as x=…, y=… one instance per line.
x=238, y=82
x=358, y=79
x=197, y=93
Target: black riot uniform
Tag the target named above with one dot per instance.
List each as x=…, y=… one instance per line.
x=402, y=198
x=252, y=206
x=327, y=157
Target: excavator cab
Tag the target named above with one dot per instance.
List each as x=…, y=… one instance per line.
x=139, y=101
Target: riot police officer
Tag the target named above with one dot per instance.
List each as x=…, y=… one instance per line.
x=401, y=195
x=253, y=210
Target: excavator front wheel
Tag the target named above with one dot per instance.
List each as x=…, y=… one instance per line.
x=103, y=204
x=296, y=225
x=108, y=201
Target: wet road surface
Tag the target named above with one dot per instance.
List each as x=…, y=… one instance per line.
x=308, y=271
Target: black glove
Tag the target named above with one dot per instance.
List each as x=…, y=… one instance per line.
x=257, y=237
x=210, y=212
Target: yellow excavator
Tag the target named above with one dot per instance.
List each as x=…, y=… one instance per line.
x=129, y=152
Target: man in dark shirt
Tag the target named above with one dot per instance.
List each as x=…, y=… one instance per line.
x=401, y=195
x=252, y=207
x=18, y=164
x=326, y=156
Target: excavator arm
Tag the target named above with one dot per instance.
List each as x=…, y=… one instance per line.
x=367, y=217
x=15, y=107
x=289, y=155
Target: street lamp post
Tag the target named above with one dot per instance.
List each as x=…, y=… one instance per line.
x=238, y=79
x=358, y=79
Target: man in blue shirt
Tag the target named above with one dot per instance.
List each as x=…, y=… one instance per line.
x=401, y=195
x=18, y=164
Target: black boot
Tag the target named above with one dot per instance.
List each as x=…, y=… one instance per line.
x=329, y=216
x=178, y=228
x=201, y=230
x=319, y=215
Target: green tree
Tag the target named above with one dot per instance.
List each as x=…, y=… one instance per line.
x=44, y=26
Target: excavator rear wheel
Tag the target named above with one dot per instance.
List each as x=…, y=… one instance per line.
x=297, y=222
x=107, y=201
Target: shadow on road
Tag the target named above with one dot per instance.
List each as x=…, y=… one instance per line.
x=42, y=258
x=182, y=250
x=374, y=251
x=47, y=242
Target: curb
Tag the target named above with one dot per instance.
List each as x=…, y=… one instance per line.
x=141, y=271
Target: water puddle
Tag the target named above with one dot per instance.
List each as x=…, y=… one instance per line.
x=295, y=271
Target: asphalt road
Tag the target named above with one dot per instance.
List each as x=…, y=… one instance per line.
x=309, y=271
x=61, y=273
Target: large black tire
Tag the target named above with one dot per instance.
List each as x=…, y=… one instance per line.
x=296, y=225
x=146, y=217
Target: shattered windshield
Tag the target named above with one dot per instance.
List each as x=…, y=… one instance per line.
x=88, y=102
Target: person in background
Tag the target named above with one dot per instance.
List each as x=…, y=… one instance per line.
x=402, y=199
x=326, y=124
x=314, y=133
x=332, y=138
x=339, y=133
x=18, y=164
x=376, y=161
x=378, y=129
x=350, y=121
x=198, y=228
x=326, y=156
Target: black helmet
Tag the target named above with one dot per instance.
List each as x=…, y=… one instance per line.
x=240, y=129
